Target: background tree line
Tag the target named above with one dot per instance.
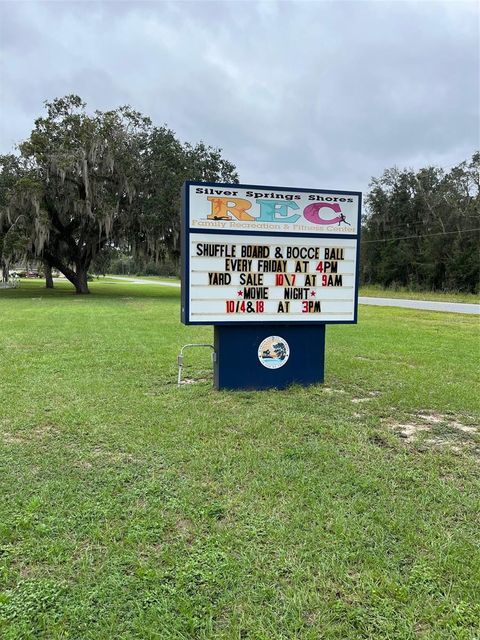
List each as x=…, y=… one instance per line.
x=101, y=192
x=421, y=229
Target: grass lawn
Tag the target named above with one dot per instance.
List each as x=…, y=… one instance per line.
x=152, y=278
x=133, y=509
x=376, y=291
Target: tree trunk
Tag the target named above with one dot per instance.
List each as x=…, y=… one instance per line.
x=80, y=281
x=78, y=278
x=48, y=275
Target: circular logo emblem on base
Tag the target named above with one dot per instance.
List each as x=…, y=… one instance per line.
x=273, y=352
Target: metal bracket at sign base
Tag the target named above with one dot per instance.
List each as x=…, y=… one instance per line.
x=180, y=358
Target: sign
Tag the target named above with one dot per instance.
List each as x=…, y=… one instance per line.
x=255, y=254
x=272, y=209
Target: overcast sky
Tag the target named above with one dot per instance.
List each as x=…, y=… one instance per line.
x=308, y=94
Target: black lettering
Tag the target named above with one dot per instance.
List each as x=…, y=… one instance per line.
x=295, y=293
x=219, y=278
x=255, y=293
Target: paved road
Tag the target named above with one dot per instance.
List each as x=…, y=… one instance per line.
x=425, y=305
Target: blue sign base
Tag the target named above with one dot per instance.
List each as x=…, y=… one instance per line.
x=238, y=365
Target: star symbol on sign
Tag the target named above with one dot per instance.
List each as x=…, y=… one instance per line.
x=313, y=293
x=239, y=293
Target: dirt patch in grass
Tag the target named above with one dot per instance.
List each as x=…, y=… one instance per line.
x=24, y=437
x=9, y=438
x=465, y=428
x=83, y=464
x=43, y=431
x=185, y=529
x=409, y=431
x=431, y=418
x=370, y=396
x=98, y=457
x=310, y=618
x=115, y=457
x=193, y=380
x=434, y=429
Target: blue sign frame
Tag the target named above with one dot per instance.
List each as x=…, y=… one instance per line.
x=185, y=243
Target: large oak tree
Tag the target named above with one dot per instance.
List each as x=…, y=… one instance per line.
x=84, y=183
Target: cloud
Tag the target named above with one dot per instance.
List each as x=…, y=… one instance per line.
x=314, y=94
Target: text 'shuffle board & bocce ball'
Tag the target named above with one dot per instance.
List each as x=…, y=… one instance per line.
x=269, y=267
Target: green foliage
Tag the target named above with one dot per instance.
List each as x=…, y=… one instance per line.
x=26, y=608
x=13, y=244
x=410, y=293
x=84, y=184
x=168, y=165
x=123, y=264
x=422, y=229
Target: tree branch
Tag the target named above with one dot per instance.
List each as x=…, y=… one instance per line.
x=58, y=264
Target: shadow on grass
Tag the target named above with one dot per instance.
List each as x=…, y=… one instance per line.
x=102, y=288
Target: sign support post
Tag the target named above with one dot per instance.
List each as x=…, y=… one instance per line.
x=269, y=267
x=237, y=364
